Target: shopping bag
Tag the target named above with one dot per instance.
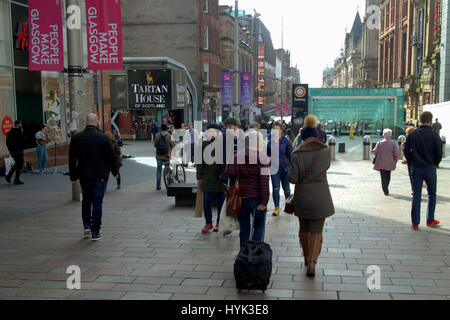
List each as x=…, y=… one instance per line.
x=199, y=202
x=9, y=163
x=227, y=223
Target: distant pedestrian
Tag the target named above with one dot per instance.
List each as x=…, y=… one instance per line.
x=386, y=153
x=290, y=136
x=280, y=178
x=163, y=144
x=312, y=197
x=91, y=159
x=209, y=179
x=117, y=155
x=15, y=142
x=298, y=139
x=255, y=126
x=437, y=127
x=253, y=178
x=154, y=126
x=423, y=151
x=42, y=139
x=322, y=136
x=404, y=161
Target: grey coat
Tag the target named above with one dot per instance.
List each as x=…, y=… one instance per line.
x=312, y=198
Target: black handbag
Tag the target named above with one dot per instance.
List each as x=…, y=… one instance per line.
x=374, y=159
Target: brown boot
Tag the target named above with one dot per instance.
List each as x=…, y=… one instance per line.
x=304, y=244
x=315, y=246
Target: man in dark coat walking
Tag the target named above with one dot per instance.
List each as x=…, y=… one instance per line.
x=91, y=158
x=15, y=141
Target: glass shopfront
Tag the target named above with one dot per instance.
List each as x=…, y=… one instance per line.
x=36, y=97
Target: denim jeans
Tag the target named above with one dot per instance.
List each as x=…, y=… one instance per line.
x=91, y=208
x=207, y=205
x=42, y=156
x=280, y=178
x=159, y=171
x=418, y=176
x=249, y=206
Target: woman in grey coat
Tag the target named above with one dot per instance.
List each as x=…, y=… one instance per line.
x=312, y=197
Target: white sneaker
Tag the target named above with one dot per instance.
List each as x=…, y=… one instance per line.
x=87, y=233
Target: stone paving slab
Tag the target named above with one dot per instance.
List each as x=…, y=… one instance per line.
x=153, y=250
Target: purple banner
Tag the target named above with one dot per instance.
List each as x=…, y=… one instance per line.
x=246, y=89
x=227, y=88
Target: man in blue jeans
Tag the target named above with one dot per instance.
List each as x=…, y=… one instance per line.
x=423, y=151
x=163, y=144
x=91, y=158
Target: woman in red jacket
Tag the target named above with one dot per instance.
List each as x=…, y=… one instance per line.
x=253, y=176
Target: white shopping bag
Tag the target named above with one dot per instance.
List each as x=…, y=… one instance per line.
x=227, y=223
x=9, y=163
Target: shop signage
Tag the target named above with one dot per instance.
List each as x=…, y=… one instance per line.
x=299, y=103
x=104, y=34
x=149, y=89
x=7, y=125
x=227, y=88
x=246, y=89
x=46, y=47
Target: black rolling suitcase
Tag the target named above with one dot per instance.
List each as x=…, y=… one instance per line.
x=253, y=266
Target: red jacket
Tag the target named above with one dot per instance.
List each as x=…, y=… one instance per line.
x=253, y=178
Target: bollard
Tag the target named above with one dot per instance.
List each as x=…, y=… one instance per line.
x=444, y=141
x=366, y=147
x=332, y=146
x=401, y=141
x=341, y=147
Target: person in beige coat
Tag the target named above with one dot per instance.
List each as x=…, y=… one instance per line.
x=312, y=197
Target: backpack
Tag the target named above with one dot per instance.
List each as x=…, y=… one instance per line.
x=162, y=147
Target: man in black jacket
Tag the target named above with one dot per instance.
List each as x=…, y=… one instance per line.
x=15, y=141
x=423, y=151
x=91, y=158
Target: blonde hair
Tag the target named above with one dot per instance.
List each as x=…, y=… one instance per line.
x=311, y=121
x=410, y=129
x=387, y=133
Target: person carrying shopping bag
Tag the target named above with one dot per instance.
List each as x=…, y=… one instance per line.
x=253, y=177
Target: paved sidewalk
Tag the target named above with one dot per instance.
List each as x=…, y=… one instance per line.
x=153, y=250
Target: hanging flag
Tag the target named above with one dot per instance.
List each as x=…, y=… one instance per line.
x=227, y=88
x=246, y=89
x=45, y=43
x=104, y=34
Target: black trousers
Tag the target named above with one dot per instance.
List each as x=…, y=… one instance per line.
x=18, y=165
x=385, y=180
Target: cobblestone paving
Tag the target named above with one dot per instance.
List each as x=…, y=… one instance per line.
x=153, y=250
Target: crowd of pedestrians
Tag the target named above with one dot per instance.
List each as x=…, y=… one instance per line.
x=251, y=162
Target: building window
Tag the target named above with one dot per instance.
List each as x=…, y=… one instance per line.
x=405, y=9
x=391, y=59
x=205, y=6
x=392, y=12
x=386, y=60
x=206, y=73
x=419, y=40
x=386, y=13
x=404, y=54
x=205, y=38
x=382, y=22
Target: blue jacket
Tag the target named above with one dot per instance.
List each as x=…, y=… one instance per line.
x=423, y=148
x=285, y=151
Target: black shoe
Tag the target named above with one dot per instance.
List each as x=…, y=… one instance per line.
x=8, y=179
x=118, y=187
x=96, y=237
x=18, y=182
x=158, y=188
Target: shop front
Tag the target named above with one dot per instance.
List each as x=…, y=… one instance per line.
x=36, y=97
x=143, y=98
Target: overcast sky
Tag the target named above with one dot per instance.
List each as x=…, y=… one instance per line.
x=314, y=30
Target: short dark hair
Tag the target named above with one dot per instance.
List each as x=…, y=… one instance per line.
x=164, y=127
x=213, y=126
x=17, y=122
x=426, y=117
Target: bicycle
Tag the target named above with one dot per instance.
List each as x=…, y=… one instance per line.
x=174, y=172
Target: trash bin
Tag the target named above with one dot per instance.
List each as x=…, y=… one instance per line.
x=366, y=147
x=332, y=146
x=341, y=147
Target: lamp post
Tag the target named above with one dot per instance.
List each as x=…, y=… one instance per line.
x=236, y=82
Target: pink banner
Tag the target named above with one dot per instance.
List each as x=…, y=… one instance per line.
x=104, y=34
x=46, y=42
